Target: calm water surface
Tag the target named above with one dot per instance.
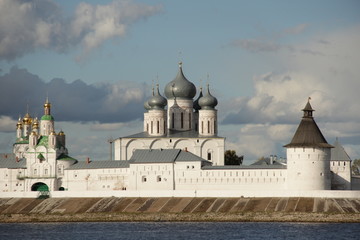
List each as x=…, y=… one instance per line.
x=173, y=231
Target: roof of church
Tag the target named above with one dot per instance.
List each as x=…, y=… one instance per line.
x=267, y=161
x=172, y=134
x=9, y=160
x=99, y=165
x=163, y=156
x=180, y=87
x=308, y=133
x=338, y=153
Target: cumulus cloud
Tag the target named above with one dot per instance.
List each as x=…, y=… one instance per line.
x=7, y=124
x=325, y=70
x=75, y=101
x=26, y=26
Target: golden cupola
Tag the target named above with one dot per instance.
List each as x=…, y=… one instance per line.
x=47, y=107
x=27, y=120
x=19, y=124
x=35, y=124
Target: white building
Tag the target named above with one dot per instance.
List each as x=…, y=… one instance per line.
x=178, y=150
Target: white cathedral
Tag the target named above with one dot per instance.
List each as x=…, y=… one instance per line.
x=179, y=149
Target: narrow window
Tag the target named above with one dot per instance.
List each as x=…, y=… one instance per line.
x=209, y=156
x=182, y=120
x=173, y=120
x=202, y=127
x=158, y=178
x=208, y=126
x=144, y=178
x=151, y=126
x=189, y=120
x=158, y=127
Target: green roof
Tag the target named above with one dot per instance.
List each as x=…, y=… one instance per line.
x=43, y=141
x=22, y=142
x=47, y=117
x=40, y=156
x=64, y=157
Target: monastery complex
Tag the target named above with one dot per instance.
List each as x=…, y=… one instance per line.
x=178, y=151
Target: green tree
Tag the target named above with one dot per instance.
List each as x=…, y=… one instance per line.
x=232, y=159
x=355, y=167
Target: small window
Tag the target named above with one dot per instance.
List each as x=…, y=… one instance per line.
x=158, y=178
x=144, y=178
x=209, y=156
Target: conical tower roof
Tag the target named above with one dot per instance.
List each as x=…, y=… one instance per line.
x=308, y=133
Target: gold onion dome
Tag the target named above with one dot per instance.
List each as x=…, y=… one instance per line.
x=27, y=119
x=47, y=104
x=36, y=123
x=53, y=133
x=19, y=124
x=33, y=133
x=61, y=133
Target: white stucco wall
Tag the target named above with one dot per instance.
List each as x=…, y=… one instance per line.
x=308, y=168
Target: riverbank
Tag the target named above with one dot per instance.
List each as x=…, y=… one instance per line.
x=179, y=209
x=182, y=217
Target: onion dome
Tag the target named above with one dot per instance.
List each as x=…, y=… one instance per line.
x=208, y=101
x=35, y=124
x=157, y=101
x=180, y=87
x=19, y=124
x=27, y=119
x=196, y=102
x=53, y=133
x=147, y=106
x=33, y=133
x=61, y=133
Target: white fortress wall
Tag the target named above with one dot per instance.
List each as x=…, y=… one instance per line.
x=193, y=193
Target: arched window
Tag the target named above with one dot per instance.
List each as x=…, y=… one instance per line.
x=209, y=156
x=158, y=127
x=143, y=179
x=151, y=126
x=158, y=178
x=208, y=125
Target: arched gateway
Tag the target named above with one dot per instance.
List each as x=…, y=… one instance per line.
x=39, y=186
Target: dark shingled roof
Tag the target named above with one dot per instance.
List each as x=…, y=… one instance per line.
x=308, y=133
x=338, y=153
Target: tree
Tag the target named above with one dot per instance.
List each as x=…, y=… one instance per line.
x=355, y=167
x=232, y=159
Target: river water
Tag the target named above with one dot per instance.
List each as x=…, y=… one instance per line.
x=177, y=230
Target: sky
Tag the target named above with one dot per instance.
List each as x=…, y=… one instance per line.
x=97, y=61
